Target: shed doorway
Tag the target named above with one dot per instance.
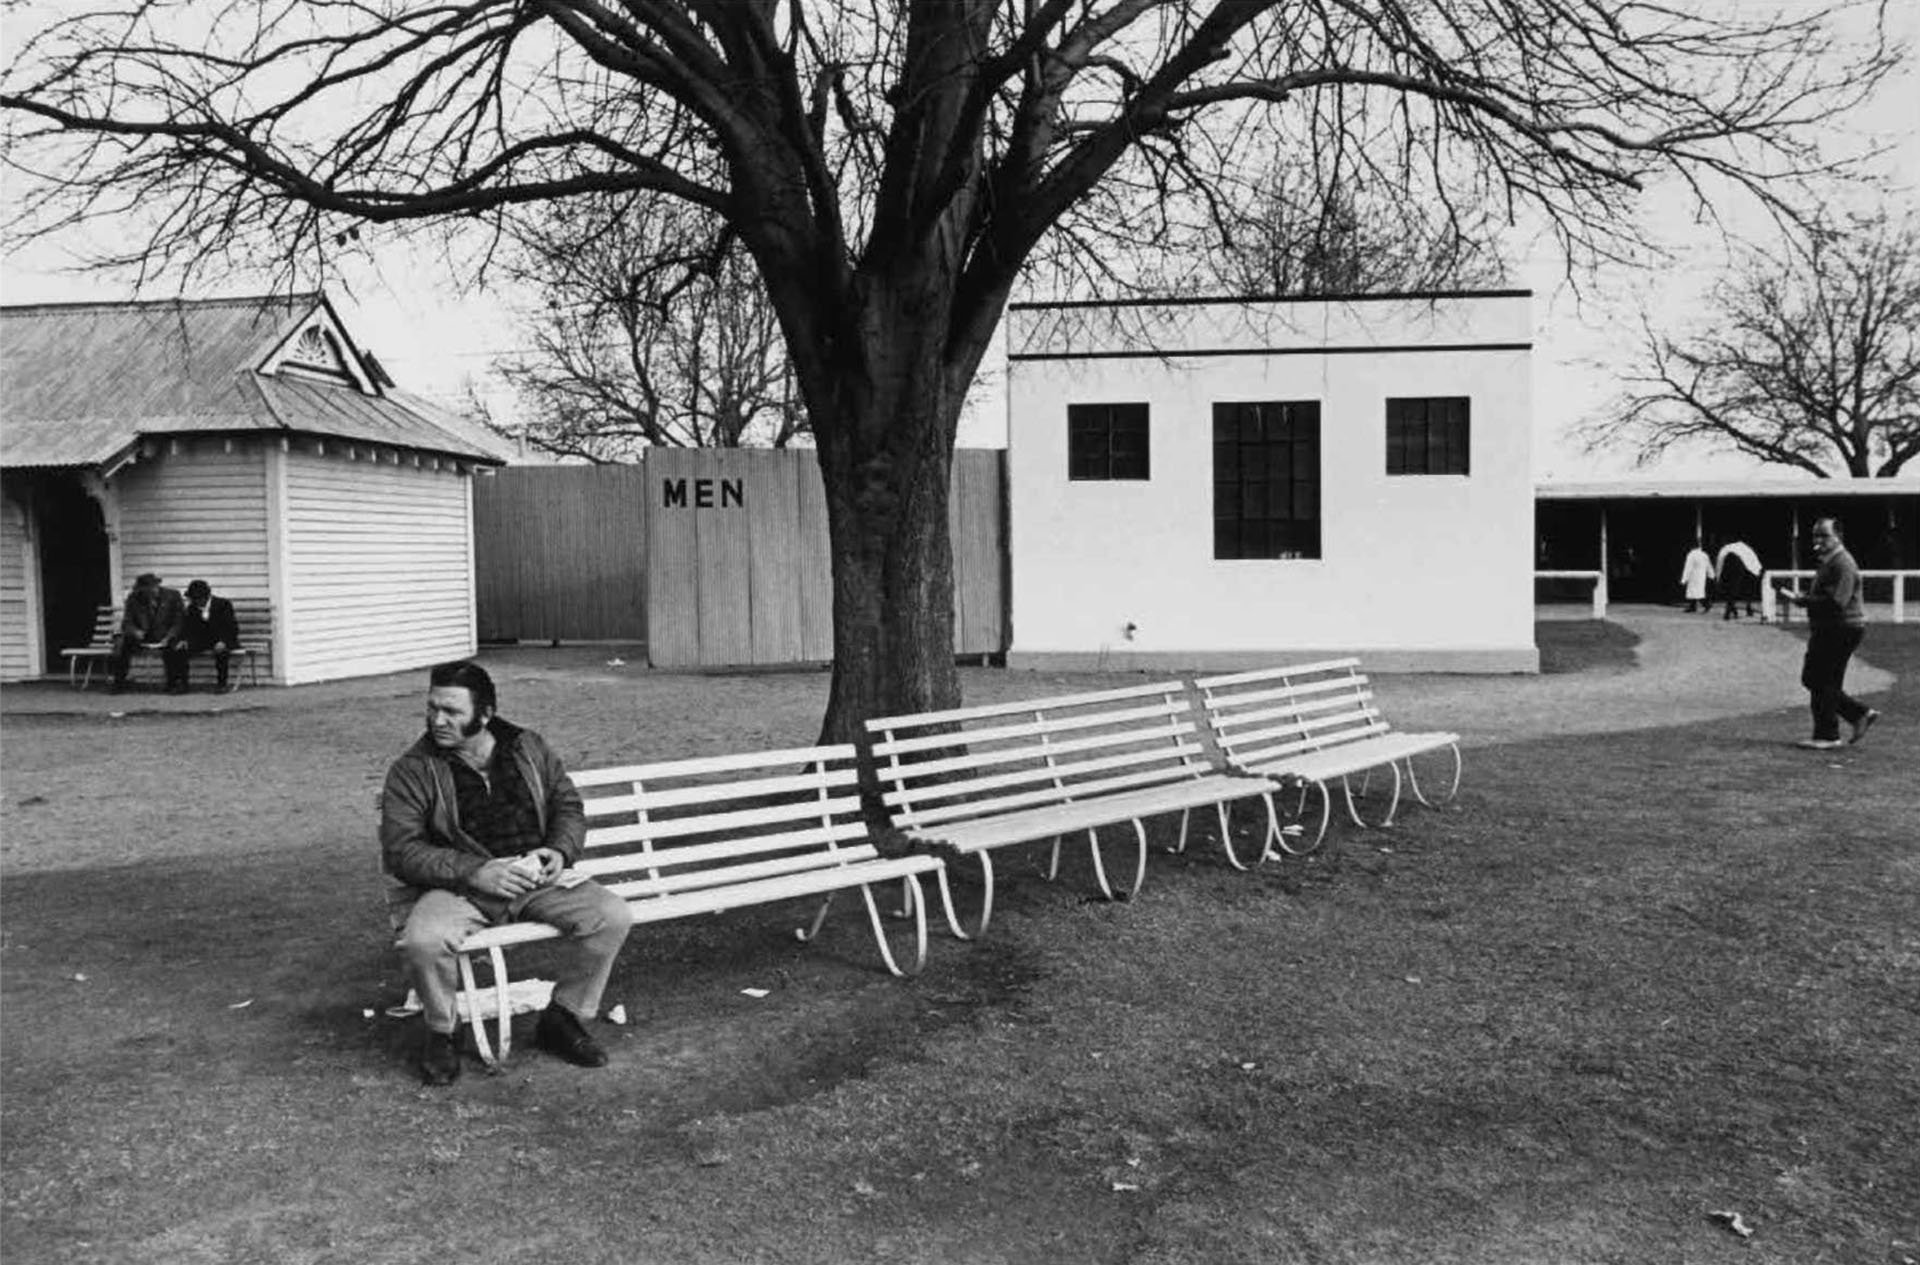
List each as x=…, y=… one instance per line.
x=75, y=566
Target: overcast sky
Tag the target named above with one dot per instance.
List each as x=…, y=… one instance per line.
x=399, y=303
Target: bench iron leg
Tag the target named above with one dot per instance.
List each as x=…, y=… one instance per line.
x=475, y=1020
x=1453, y=787
x=806, y=935
x=1353, y=810
x=1278, y=836
x=986, y=898
x=917, y=900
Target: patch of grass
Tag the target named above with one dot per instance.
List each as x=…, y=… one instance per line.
x=1624, y=982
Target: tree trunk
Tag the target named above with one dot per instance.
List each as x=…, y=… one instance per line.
x=892, y=566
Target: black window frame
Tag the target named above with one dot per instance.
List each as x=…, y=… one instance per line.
x=1267, y=481
x=1430, y=435
x=1109, y=443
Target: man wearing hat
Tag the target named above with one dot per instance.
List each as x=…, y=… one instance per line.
x=151, y=617
x=208, y=627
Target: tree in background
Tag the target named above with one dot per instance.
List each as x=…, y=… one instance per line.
x=1303, y=236
x=650, y=328
x=893, y=167
x=1807, y=356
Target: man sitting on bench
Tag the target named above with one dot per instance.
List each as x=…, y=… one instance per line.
x=151, y=618
x=480, y=816
x=208, y=627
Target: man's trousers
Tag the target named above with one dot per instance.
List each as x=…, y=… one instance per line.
x=592, y=921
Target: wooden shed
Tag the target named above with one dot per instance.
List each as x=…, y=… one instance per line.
x=247, y=442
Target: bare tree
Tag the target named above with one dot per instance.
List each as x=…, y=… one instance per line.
x=1807, y=355
x=894, y=165
x=1304, y=236
x=650, y=328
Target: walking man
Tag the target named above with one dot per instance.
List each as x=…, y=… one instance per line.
x=1738, y=567
x=1836, y=621
x=479, y=819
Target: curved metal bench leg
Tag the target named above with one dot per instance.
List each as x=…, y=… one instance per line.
x=475, y=1020
x=916, y=900
x=1052, y=871
x=1393, y=804
x=806, y=935
x=1453, y=788
x=1099, y=866
x=1180, y=847
x=1225, y=810
x=1140, y=859
x=986, y=899
x=1277, y=834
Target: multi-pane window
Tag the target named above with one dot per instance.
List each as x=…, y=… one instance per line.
x=1428, y=436
x=1106, y=441
x=1266, y=479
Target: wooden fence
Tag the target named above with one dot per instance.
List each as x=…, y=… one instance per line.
x=560, y=553
x=738, y=570
x=717, y=558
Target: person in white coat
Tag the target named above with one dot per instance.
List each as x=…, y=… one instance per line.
x=1694, y=574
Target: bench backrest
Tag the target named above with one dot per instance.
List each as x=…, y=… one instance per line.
x=980, y=761
x=683, y=825
x=253, y=614
x=1270, y=713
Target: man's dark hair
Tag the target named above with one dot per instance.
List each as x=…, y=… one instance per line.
x=199, y=588
x=471, y=677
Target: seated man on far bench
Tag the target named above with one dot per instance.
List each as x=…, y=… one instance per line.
x=481, y=818
x=150, y=620
x=208, y=627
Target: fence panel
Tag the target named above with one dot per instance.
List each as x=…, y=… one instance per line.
x=560, y=553
x=739, y=568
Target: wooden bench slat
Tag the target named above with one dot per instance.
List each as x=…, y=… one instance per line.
x=599, y=861
x=1047, y=724
x=833, y=755
x=1055, y=781
x=739, y=819
x=978, y=758
x=1064, y=702
x=1010, y=804
x=981, y=834
x=690, y=880
x=652, y=800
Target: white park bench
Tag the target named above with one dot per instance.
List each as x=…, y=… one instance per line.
x=968, y=781
x=702, y=836
x=1312, y=724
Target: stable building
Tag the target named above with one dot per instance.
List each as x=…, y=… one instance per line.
x=1213, y=484
x=248, y=442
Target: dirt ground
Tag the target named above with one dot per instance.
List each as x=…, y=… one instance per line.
x=197, y=1065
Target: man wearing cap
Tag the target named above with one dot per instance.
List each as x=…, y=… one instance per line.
x=208, y=627
x=151, y=617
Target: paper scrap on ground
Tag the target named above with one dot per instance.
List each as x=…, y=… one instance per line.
x=754, y=992
x=617, y=1015
x=1734, y=1222
x=241, y=1005
x=522, y=996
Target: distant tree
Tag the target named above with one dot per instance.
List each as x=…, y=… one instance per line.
x=650, y=328
x=1806, y=356
x=1306, y=235
x=894, y=167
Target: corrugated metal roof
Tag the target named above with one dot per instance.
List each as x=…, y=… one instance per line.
x=80, y=381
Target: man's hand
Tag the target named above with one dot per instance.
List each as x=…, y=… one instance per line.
x=498, y=878
x=551, y=863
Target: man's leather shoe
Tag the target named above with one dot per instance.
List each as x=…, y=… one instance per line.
x=559, y=1032
x=440, y=1058
x=1865, y=723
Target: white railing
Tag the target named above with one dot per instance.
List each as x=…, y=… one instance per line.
x=1598, y=578
x=1773, y=610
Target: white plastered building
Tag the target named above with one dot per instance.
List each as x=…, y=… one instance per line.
x=1209, y=484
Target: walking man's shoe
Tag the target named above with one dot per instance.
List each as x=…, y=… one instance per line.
x=440, y=1058
x=1820, y=744
x=559, y=1032
x=1865, y=723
